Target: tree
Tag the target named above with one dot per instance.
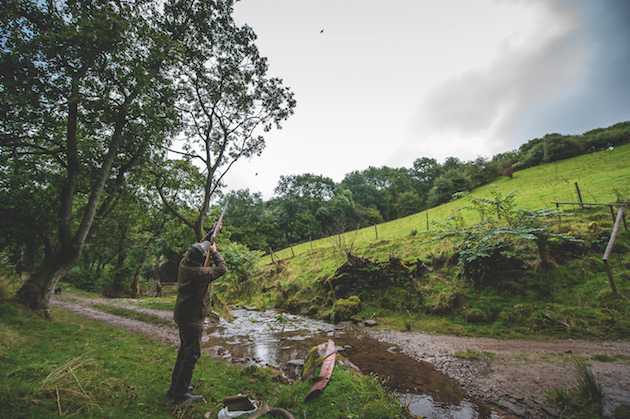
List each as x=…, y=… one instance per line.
x=250, y=222
x=407, y=203
x=453, y=163
x=339, y=209
x=227, y=99
x=299, y=198
x=378, y=187
x=368, y=216
x=481, y=171
x=363, y=193
x=560, y=147
x=445, y=186
x=426, y=170
x=86, y=95
x=308, y=187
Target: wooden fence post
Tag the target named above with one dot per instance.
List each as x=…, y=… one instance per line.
x=609, y=248
x=376, y=231
x=579, y=195
x=559, y=217
x=612, y=213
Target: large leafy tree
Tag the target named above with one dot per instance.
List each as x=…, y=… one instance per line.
x=251, y=223
x=228, y=101
x=298, y=199
x=363, y=193
x=379, y=187
x=86, y=94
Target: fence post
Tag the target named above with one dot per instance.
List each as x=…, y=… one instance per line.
x=579, y=195
x=427, y=214
x=609, y=248
x=376, y=231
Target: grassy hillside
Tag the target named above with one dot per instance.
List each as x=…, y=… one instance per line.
x=602, y=177
x=568, y=295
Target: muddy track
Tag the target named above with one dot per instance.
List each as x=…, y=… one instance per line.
x=512, y=374
x=82, y=306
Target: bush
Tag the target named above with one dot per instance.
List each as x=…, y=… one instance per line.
x=243, y=265
x=487, y=250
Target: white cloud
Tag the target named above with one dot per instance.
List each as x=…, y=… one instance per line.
x=475, y=112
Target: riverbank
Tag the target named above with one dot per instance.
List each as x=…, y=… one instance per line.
x=512, y=374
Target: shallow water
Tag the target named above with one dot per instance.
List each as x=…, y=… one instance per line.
x=275, y=338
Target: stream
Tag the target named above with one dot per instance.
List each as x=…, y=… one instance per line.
x=283, y=340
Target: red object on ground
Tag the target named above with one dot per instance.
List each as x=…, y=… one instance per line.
x=328, y=364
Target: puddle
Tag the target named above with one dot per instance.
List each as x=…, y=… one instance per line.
x=276, y=338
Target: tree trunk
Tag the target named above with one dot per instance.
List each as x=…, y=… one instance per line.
x=36, y=292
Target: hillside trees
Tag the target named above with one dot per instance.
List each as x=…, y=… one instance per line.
x=299, y=198
x=251, y=222
x=379, y=187
x=87, y=95
x=365, y=194
x=451, y=182
x=227, y=98
x=425, y=171
x=482, y=171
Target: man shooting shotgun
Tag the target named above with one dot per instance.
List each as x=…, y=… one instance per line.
x=193, y=304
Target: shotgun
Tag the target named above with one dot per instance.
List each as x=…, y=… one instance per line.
x=213, y=237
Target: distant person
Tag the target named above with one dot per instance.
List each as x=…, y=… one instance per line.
x=193, y=304
x=158, y=288
x=609, y=147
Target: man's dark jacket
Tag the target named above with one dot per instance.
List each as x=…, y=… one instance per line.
x=194, y=290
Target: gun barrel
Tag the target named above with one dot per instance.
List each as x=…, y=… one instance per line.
x=218, y=224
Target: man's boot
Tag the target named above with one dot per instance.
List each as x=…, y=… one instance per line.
x=186, y=398
x=171, y=392
x=182, y=389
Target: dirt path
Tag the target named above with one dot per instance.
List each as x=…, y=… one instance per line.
x=81, y=306
x=515, y=377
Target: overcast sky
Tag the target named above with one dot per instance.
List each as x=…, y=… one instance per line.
x=386, y=83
